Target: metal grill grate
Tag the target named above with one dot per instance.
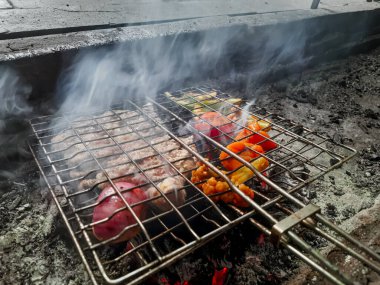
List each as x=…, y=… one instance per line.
x=78, y=156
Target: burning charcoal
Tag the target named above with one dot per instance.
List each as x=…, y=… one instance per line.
x=331, y=210
x=312, y=194
x=301, y=171
x=337, y=138
x=23, y=207
x=220, y=276
x=374, y=157
x=298, y=130
x=302, y=96
x=304, y=199
x=335, y=119
x=312, y=117
x=14, y=203
x=308, y=193
x=365, y=205
x=289, y=179
x=338, y=191
x=332, y=179
x=261, y=265
x=188, y=270
x=348, y=212
x=333, y=161
x=343, y=83
x=368, y=113
x=313, y=239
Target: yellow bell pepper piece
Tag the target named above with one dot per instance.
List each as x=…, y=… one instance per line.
x=243, y=174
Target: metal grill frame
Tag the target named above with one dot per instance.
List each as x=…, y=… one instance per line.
x=286, y=240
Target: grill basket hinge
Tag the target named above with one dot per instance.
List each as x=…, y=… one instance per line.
x=289, y=222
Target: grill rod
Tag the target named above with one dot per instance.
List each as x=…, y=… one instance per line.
x=294, y=237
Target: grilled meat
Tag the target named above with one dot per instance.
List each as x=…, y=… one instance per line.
x=129, y=148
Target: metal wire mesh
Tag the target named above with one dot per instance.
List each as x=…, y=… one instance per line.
x=148, y=143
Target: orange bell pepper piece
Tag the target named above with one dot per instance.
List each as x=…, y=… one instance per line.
x=245, y=133
x=244, y=149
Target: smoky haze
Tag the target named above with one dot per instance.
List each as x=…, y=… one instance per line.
x=13, y=94
x=142, y=68
x=14, y=106
x=99, y=78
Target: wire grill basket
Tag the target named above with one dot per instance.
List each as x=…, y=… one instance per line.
x=153, y=143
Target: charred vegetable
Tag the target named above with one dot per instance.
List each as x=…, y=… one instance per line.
x=200, y=103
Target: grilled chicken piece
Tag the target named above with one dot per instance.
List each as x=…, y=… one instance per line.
x=172, y=188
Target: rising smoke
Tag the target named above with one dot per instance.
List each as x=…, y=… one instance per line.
x=143, y=68
x=13, y=94
x=13, y=107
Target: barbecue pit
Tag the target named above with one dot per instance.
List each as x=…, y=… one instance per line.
x=287, y=132
x=302, y=155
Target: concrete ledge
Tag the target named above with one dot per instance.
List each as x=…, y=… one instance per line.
x=313, y=35
x=18, y=45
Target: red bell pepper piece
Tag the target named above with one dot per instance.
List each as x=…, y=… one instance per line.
x=259, y=139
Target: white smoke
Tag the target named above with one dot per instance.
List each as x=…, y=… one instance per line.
x=140, y=69
x=13, y=94
x=14, y=107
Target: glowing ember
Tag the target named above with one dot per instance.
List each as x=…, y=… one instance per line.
x=220, y=276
